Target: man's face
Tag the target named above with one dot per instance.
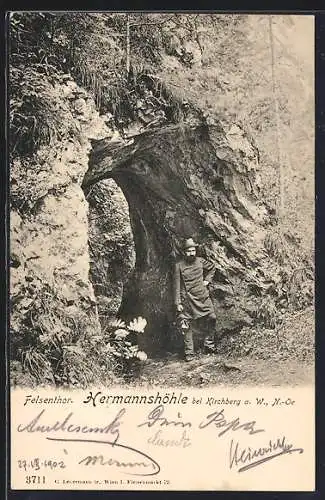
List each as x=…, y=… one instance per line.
x=190, y=254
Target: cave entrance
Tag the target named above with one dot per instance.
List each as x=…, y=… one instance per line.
x=111, y=246
x=131, y=259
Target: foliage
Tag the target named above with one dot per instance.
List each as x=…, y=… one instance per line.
x=300, y=290
x=121, y=342
x=267, y=313
x=44, y=329
x=55, y=344
x=46, y=45
x=277, y=246
x=37, y=115
x=292, y=285
x=293, y=338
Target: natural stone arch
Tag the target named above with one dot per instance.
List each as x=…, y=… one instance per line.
x=179, y=181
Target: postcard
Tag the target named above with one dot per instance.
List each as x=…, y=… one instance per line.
x=161, y=251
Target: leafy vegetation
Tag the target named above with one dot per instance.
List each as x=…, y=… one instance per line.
x=37, y=116
x=293, y=338
x=55, y=344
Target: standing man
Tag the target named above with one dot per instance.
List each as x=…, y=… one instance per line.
x=192, y=300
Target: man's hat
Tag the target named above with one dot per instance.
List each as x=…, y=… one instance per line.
x=189, y=243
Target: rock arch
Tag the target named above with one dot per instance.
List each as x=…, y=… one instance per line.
x=183, y=180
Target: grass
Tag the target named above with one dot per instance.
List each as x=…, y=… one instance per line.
x=38, y=116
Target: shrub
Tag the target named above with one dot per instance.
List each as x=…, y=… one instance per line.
x=300, y=288
x=293, y=285
x=276, y=246
x=54, y=343
x=122, y=343
x=38, y=117
x=267, y=313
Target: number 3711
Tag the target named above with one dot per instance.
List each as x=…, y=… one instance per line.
x=35, y=479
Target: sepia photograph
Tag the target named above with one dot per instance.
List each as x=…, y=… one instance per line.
x=161, y=198
x=162, y=202
x=161, y=170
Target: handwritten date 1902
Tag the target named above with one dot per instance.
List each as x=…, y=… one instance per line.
x=37, y=464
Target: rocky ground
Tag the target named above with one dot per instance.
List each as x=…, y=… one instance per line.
x=257, y=357
x=223, y=370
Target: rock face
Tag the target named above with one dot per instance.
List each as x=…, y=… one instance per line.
x=111, y=246
x=189, y=180
x=49, y=279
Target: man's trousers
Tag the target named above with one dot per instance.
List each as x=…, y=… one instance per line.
x=204, y=337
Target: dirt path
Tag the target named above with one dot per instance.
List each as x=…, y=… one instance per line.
x=213, y=369
x=283, y=356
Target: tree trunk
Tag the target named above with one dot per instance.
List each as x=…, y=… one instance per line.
x=127, y=44
x=277, y=122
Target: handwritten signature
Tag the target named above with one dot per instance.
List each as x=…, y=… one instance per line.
x=146, y=462
x=155, y=417
x=218, y=420
x=66, y=425
x=253, y=457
